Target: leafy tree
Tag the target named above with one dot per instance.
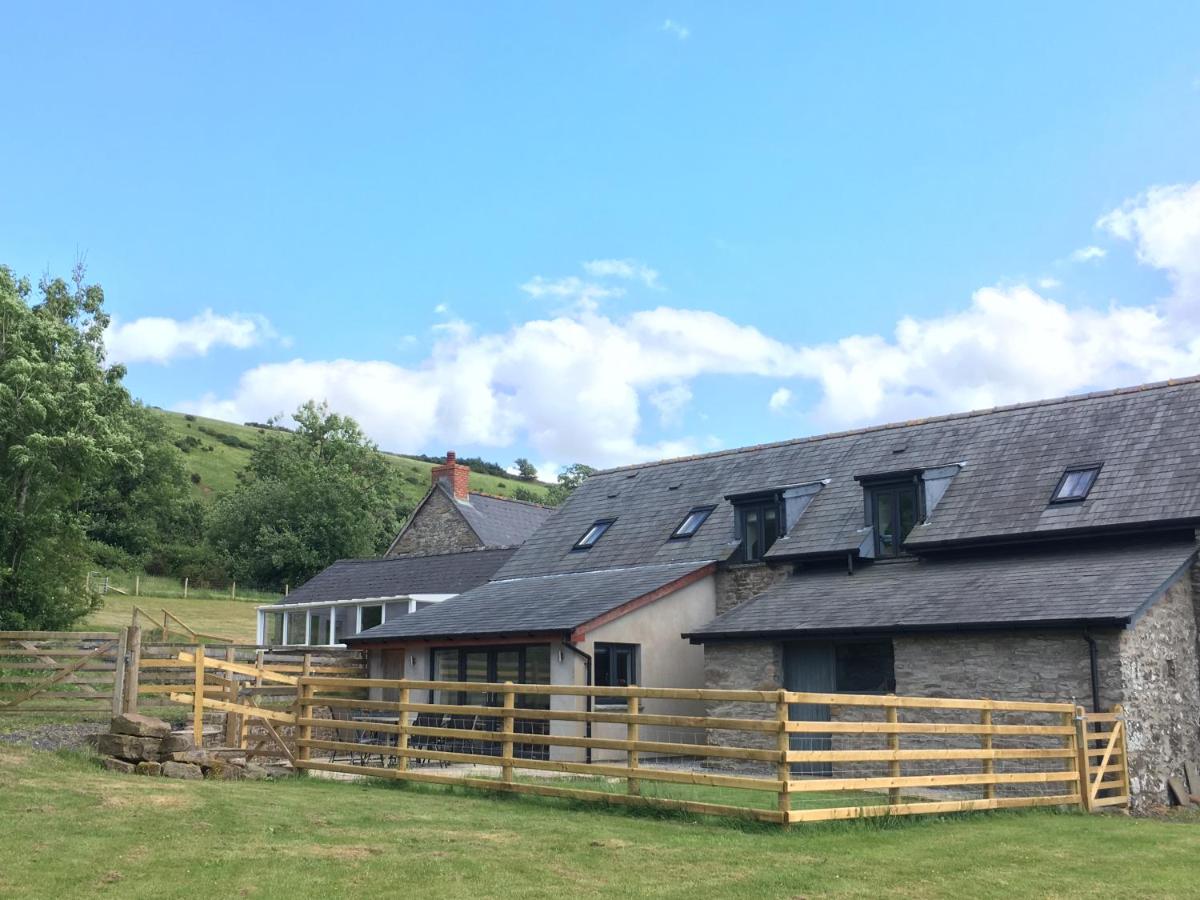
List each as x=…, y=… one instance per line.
x=145, y=515
x=525, y=469
x=61, y=431
x=524, y=493
x=568, y=479
x=308, y=497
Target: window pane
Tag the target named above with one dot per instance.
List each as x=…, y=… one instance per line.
x=603, y=661
x=750, y=528
x=885, y=516
x=296, y=627
x=908, y=513
x=623, y=674
x=476, y=670
x=866, y=668
x=537, y=671
x=770, y=516
x=320, y=626
x=346, y=620
x=445, y=668
x=371, y=616
x=508, y=665
x=274, y=628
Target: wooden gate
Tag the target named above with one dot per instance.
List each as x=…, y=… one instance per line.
x=1103, y=762
x=61, y=672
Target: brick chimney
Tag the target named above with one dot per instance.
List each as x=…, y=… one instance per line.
x=454, y=475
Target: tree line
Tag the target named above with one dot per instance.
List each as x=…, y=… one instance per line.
x=89, y=476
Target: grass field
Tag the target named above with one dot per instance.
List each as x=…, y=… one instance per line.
x=72, y=830
x=218, y=462
x=227, y=618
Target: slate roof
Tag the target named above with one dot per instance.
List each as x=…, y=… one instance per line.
x=500, y=521
x=1049, y=586
x=554, y=603
x=1012, y=457
x=361, y=579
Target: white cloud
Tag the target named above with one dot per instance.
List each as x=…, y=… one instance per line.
x=441, y=309
x=682, y=32
x=1164, y=226
x=1048, y=283
x=572, y=288
x=577, y=385
x=622, y=268
x=158, y=339
x=671, y=400
x=1010, y=344
x=1087, y=254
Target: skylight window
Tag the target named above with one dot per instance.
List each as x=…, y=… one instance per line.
x=593, y=534
x=1075, y=484
x=691, y=522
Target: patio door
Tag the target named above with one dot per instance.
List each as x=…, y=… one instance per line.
x=810, y=666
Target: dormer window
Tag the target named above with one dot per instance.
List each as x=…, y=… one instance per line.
x=759, y=525
x=691, y=523
x=593, y=534
x=893, y=508
x=1075, y=484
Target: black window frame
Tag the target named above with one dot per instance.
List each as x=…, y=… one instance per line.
x=581, y=546
x=1094, y=468
x=634, y=652
x=492, y=650
x=679, y=535
x=872, y=490
x=742, y=507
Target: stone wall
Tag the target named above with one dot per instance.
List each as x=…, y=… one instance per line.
x=1161, y=680
x=738, y=583
x=436, y=527
x=742, y=666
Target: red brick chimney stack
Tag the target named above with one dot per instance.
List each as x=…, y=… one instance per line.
x=456, y=476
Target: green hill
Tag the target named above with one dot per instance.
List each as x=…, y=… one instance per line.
x=216, y=451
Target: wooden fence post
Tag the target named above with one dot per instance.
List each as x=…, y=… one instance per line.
x=137, y=585
x=303, y=712
x=233, y=728
x=506, y=751
x=1119, y=711
x=1081, y=759
x=119, y=675
x=198, y=698
x=633, y=735
x=783, y=770
x=893, y=717
x=133, y=670
x=985, y=742
x=402, y=729
x=233, y=591
x=166, y=627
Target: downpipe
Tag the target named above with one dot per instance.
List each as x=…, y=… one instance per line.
x=587, y=681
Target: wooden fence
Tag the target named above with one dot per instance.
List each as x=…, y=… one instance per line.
x=62, y=673
x=775, y=756
x=1103, y=759
x=771, y=758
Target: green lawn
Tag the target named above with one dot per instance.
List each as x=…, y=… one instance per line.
x=72, y=830
x=225, y=618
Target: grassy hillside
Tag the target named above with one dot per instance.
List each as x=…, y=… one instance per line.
x=217, y=450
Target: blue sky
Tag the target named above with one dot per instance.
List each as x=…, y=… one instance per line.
x=609, y=232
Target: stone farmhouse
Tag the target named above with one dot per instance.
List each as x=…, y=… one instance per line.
x=455, y=540
x=1041, y=551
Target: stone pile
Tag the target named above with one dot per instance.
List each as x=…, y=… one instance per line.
x=143, y=745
